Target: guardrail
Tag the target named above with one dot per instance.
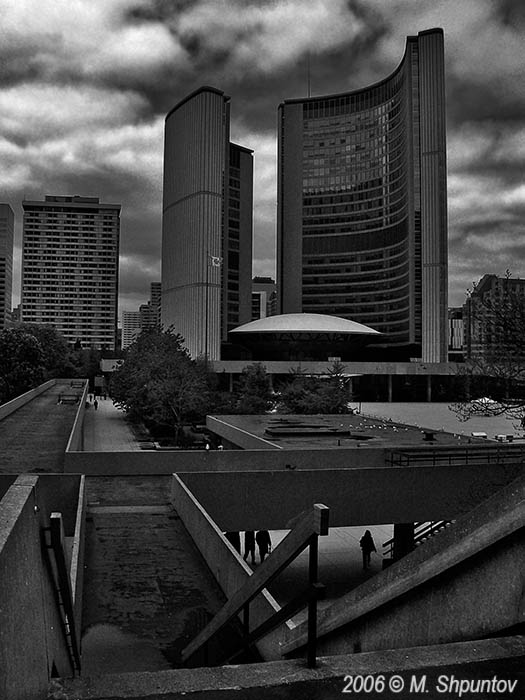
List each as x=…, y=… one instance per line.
x=437, y=456
x=62, y=584
x=304, y=534
x=422, y=531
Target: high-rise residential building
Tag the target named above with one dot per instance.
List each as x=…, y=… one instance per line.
x=70, y=263
x=362, y=204
x=7, y=224
x=131, y=327
x=207, y=224
x=264, y=297
x=155, y=294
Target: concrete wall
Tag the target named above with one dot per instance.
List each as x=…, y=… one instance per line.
x=16, y=403
x=229, y=569
x=466, y=583
x=291, y=680
x=76, y=573
x=30, y=628
x=148, y=462
x=76, y=439
x=240, y=438
x=369, y=496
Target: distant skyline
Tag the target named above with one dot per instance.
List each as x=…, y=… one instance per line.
x=85, y=88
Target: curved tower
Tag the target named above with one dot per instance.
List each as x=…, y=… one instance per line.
x=362, y=222
x=206, y=224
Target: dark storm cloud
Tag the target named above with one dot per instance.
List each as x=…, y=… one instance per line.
x=85, y=87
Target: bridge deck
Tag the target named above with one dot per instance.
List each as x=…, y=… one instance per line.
x=34, y=438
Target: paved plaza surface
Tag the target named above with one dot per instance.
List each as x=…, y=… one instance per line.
x=438, y=416
x=34, y=438
x=106, y=430
x=340, y=564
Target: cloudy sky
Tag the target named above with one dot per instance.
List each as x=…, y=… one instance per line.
x=85, y=86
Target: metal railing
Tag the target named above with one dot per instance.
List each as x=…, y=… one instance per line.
x=54, y=542
x=304, y=534
x=422, y=531
x=473, y=454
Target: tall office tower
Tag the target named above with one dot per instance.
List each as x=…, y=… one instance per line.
x=362, y=204
x=70, y=267
x=7, y=224
x=207, y=224
x=131, y=327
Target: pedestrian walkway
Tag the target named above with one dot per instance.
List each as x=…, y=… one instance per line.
x=340, y=564
x=106, y=430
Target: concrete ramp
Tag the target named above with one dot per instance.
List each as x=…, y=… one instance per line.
x=466, y=583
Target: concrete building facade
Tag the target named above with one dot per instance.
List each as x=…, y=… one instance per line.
x=207, y=224
x=362, y=216
x=7, y=219
x=494, y=318
x=70, y=262
x=264, y=297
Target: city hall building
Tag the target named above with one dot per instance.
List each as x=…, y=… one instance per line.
x=362, y=214
x=206, y=224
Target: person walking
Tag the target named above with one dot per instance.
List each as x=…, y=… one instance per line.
x=249, y=545
x=95, y=404
x=367, y=546
x=264, y=542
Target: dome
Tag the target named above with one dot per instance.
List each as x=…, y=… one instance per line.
x=313, y=324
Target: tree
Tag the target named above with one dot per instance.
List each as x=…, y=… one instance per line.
x=493, y=377
x=159, y=383
x=253, y=392
x=22, y=362
x=309, y=395
x=55, y=349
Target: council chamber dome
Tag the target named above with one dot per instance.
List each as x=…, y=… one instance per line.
x=302, y=336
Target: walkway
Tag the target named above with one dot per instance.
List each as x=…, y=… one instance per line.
x=147, y=590
x=106, y=430
x=34, y=438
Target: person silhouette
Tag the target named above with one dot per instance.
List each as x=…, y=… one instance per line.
x=264, y=542
x=249, y=545
x=367, y=546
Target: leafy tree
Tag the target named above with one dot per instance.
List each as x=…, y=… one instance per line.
x=159, y=383
x=55, y=349
x=22, y=362
x=308, y=395
x=253, y=392
x=493, y=376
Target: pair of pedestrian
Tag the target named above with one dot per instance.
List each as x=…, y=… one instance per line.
x=264, y=542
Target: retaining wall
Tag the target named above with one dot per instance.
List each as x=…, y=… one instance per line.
x=31, y=642
x=466, y=583
x=267, y=500
x=150, y=462
x=76, y=438
x=227, y=566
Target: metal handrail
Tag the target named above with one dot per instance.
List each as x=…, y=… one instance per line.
x=422, y=530
x=305, y=533
x=444, y=454
x=63, y=588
